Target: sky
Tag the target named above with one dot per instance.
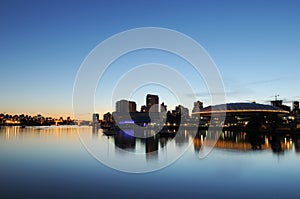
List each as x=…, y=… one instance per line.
x=254, y=44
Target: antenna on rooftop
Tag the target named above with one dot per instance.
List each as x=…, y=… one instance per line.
x=276, y=97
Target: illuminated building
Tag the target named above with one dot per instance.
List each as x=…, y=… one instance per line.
x=143, y=109
x=243, y=114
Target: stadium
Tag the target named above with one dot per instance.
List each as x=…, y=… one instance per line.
x=246, y=116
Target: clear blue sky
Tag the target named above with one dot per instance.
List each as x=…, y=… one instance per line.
x=255, y=45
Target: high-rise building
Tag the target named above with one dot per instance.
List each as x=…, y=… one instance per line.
x=107, y=118
x=181, y=110
x=95, y=117
x=122, y=106
x=132, y=107
x=125, y=106
x=197, y=107
x=150, y=101
x=143, y=108
x=163, y=107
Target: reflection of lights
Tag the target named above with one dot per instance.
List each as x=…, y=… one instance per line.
x=129, y=132
x=266, y=140
x=288, y=145
x=126, y=122
x=241, y=111
x=8, y=134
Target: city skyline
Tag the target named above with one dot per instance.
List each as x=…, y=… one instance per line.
x=159, y=99
x=132, y=105
x=41, y=52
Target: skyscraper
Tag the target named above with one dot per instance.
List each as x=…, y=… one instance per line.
x=124, y=106
x=143, y=108
x=197, y=107
x=181, y=110
x=132, y=107
x=150, y=101
x=107, y=118
x=163, y=107
x=95, y=117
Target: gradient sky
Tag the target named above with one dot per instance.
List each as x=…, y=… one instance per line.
x=255, y=45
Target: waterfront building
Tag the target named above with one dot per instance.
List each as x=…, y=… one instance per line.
x=132, y=107
x=107, y=118
x=152, y=100
x=197, y=106
x=278, y=103
x=242, y=115
x=181, y=110
x=143, y=109
x=163, y=107
x=125, y=106
x=95, y=117
x=296, y=107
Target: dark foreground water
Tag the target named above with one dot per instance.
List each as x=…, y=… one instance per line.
x=51, y=162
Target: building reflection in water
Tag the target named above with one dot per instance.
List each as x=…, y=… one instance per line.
x=151, y=147
x=241, y=141
x=297, y=145
x=229, y=140
x=182, y=137
x=125, y=140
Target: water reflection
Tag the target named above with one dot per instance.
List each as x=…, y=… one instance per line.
x=242, y=141
x=16, y=133
x=48, y=159
x=229, y=140
x=151, y=146
x=125, y=140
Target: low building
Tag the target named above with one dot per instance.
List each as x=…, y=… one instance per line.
x=245, y=115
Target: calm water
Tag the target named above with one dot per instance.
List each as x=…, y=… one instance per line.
x=51, y=162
